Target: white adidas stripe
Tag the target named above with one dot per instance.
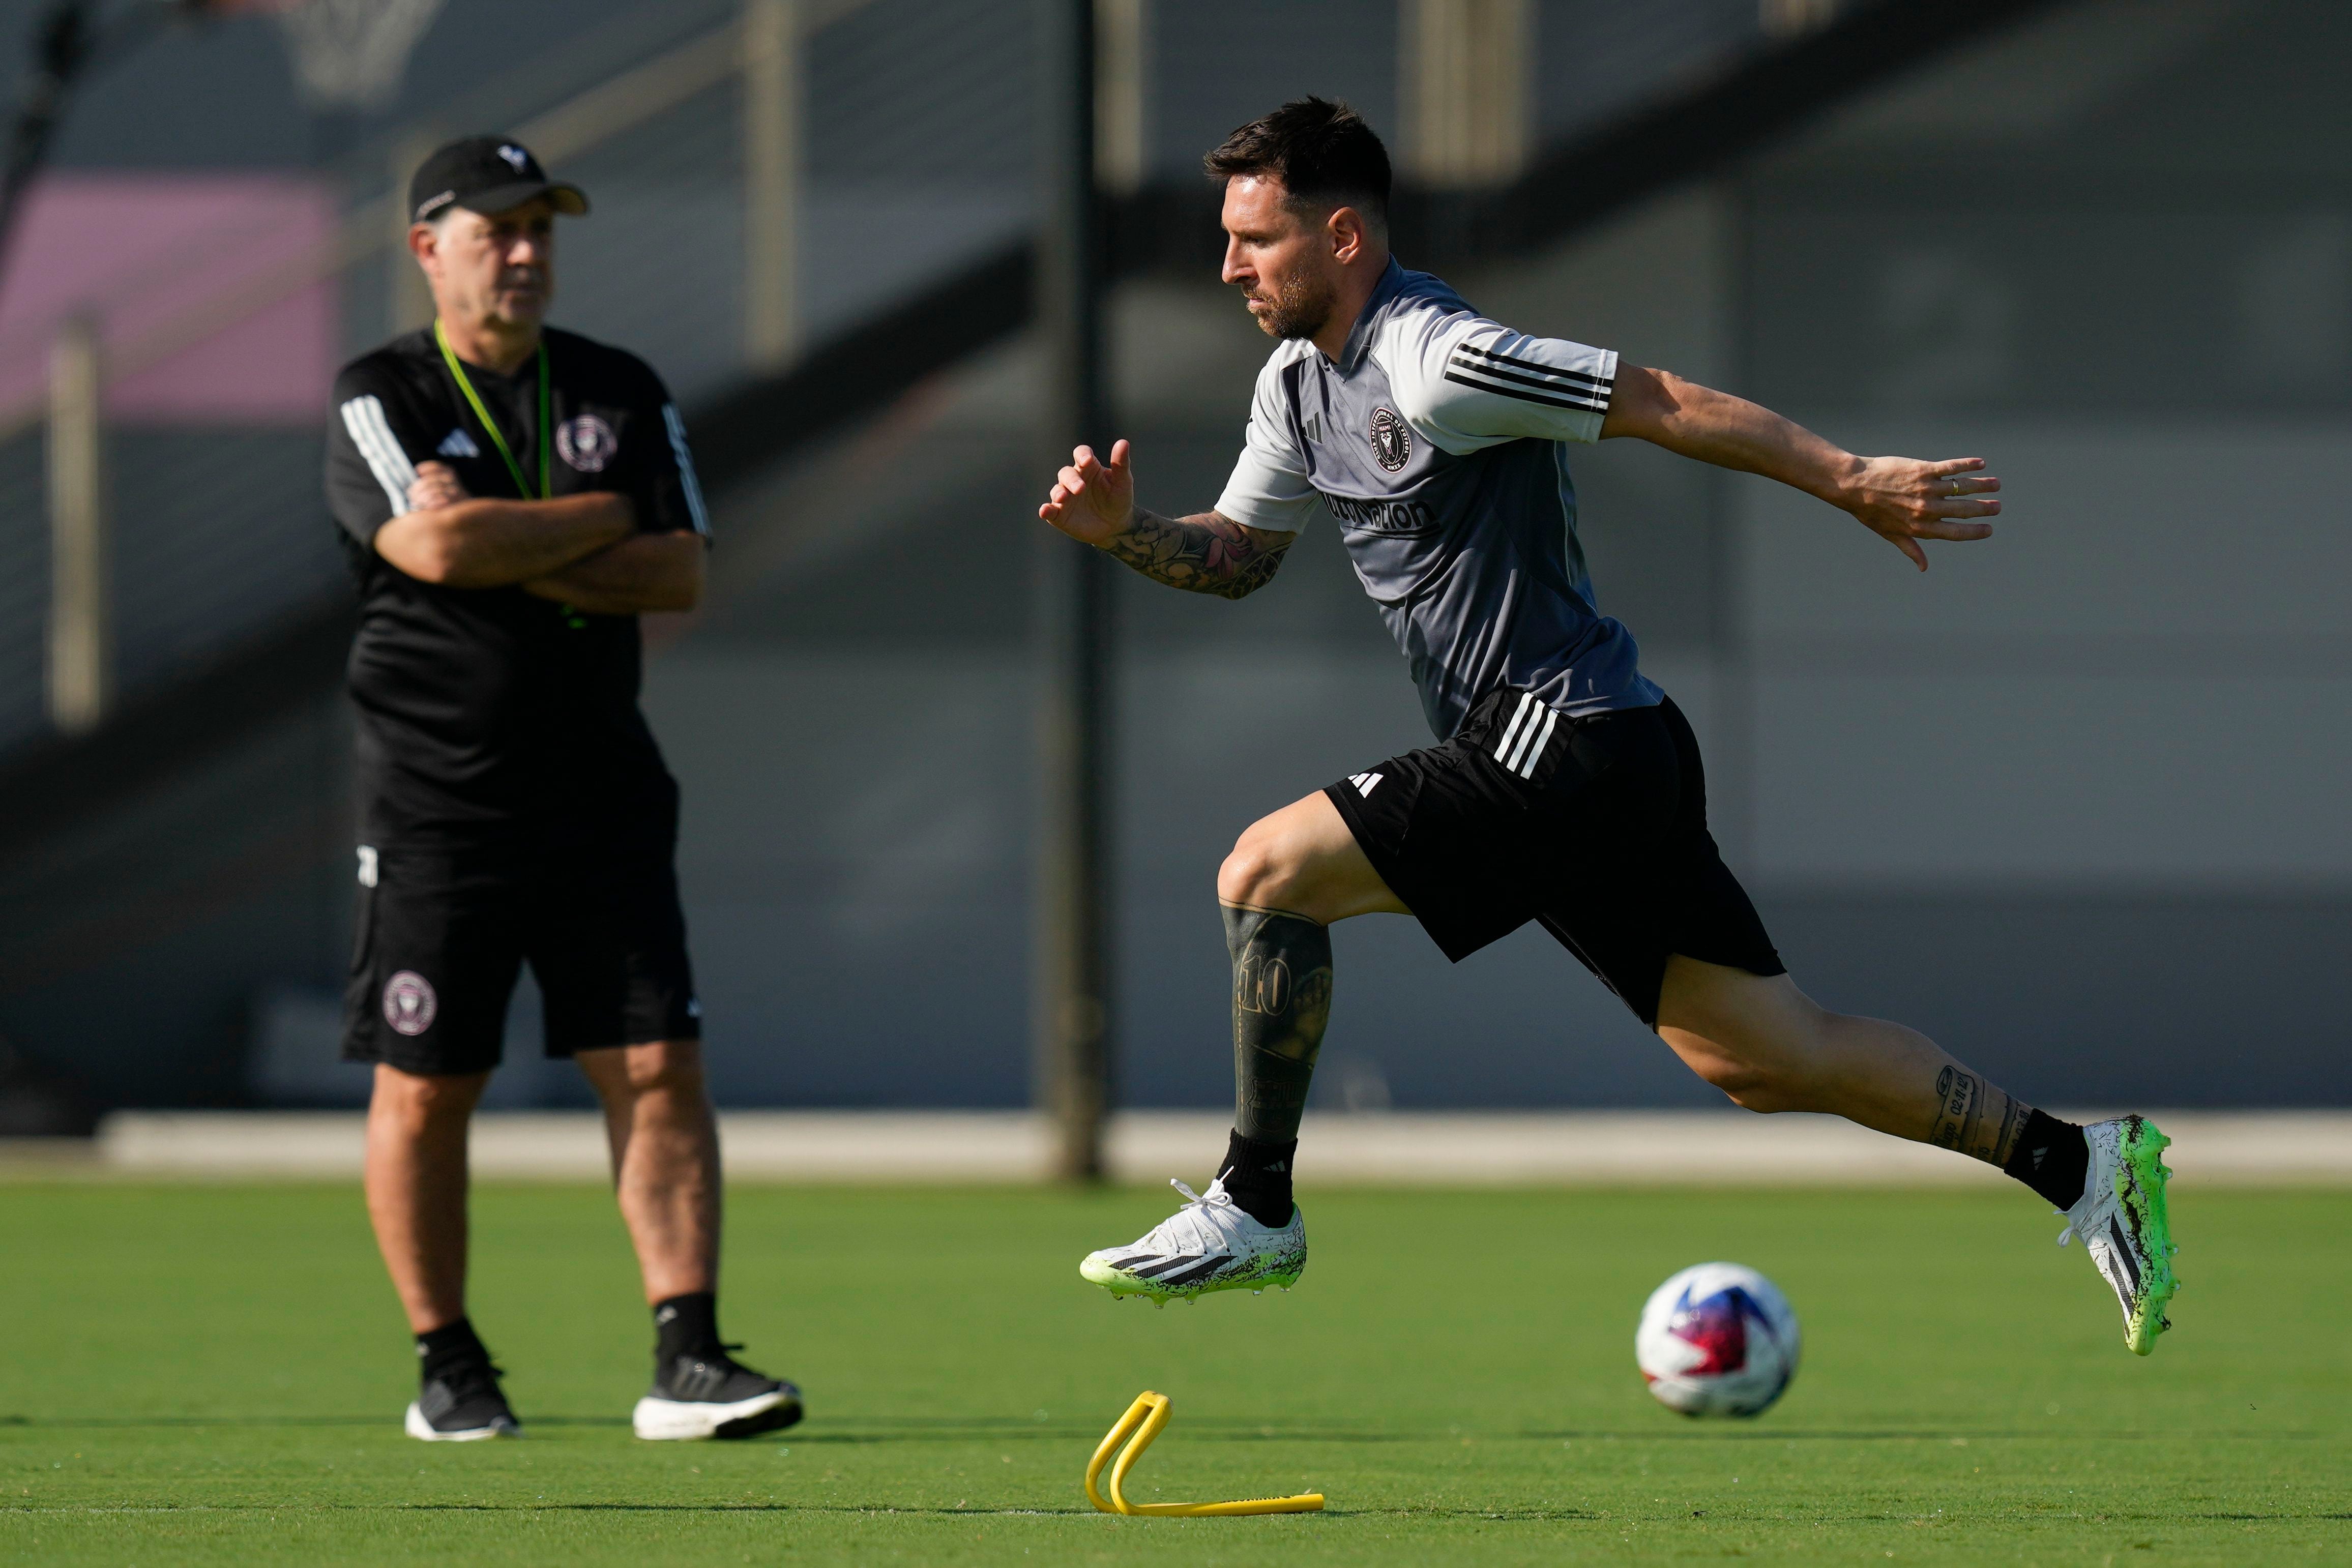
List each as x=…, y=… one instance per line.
x=1531, y=747
x=1518, y=717
x=694, y=507
x=372, y=433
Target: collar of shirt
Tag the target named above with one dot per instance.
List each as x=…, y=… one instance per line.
x=1359, y=337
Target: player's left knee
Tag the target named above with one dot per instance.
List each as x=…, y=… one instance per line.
x=1257, y=874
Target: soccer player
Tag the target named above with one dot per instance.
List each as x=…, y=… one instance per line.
x=1566, y=787
x=512, y=497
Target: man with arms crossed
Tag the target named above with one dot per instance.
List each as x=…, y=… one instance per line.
x=1567, y=789
x=512, y=497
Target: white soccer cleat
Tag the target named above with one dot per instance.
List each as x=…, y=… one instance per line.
x=1210, y=1244
x=2124, y=1226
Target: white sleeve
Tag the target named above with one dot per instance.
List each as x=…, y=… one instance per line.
x=1466, y=382
x=1269, y=488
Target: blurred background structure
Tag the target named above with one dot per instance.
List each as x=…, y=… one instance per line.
x=2068, y=802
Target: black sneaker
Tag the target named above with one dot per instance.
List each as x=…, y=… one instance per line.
x=713, y=1395
x=462, y=1405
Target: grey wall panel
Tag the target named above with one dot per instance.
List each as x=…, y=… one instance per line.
x=1221, y=63
x=853, y=864
x=2097, y=1002
x=2211, y=539
x=133, y=945
x=2160, y=781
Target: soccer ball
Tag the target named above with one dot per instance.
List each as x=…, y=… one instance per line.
x=1718, y=1339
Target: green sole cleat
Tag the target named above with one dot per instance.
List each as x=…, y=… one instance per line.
x=2125, y=1226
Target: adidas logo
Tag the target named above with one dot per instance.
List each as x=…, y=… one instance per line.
x=1314, y=428
x=457, y=443
x=1365, y=783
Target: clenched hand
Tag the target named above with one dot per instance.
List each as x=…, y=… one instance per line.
x=436, y=486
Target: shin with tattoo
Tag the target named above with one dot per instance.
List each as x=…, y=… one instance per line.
x=1282, y=1000
x=1979, y=1119
x=1987, y=1123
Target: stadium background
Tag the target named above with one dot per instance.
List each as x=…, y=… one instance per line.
x=2069, y=802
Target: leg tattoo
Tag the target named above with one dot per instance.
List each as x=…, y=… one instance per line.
x=1980, y=1120
x=1282, y=999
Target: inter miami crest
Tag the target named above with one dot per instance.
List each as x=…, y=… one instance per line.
x=409, y=1004
x=1392, y=441
x=586, y=442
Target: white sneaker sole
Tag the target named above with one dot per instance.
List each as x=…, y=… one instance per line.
x=691, y=1421
x=424, y=1430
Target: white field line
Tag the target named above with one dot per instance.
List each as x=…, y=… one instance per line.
x=1622, y=1148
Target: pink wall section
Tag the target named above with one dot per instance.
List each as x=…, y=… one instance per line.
x=139, y=252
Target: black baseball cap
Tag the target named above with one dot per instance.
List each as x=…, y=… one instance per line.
x=487, y=175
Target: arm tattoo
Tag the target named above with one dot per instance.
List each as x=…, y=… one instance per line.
x=1203, y=554
x=1978, y=1119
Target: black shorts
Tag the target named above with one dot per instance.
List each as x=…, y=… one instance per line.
x=1596, y=829
x=442, y=936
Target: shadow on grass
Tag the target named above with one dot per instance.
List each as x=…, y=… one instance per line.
x=870, y=1510
x=873, y=1430
x=1483, y=1515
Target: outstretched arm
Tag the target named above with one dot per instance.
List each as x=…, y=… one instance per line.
x=1901, y=499
x=1094, y=502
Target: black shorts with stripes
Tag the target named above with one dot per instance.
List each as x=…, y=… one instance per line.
x=1598, y=830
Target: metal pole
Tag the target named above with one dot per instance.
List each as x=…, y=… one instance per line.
x=1463, y=81
x=1122, y=154
x=772, y=184
x=78, y=672
x=1072, y=1001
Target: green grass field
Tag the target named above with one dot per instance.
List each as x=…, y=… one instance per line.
x=215, y=1374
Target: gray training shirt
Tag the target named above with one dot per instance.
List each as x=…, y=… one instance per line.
x=1434, y=443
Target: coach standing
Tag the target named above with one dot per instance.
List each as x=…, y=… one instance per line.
x=512, y=497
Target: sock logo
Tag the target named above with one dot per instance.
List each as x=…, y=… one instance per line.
x=1278, y=1166
x=2038, y=1154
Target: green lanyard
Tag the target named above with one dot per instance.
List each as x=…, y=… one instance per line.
x=546, y=436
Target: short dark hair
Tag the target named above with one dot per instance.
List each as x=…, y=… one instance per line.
x=1323, y=152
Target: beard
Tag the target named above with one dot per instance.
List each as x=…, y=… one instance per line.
x=1300, y=307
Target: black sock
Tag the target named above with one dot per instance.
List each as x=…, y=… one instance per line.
x=686, y=1325
x=451, y=1344
x=1257, y=1176
x=2052, y=1157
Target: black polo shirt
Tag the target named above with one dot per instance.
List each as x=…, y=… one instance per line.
x=489, y=715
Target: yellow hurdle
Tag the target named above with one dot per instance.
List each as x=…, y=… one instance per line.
x=1142, y=1422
